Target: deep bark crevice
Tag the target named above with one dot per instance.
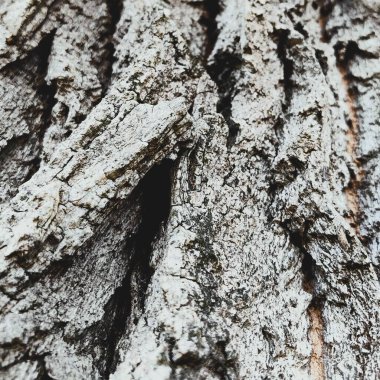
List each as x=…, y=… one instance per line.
x=223, y=71
x=115, y=8
x=129, y=298
x=299, y=239
x=34, y=68
x=46, y=92
x=221, y=66
x=282, y=37
x=325, y=9
x=322, y=59
x=212, y=9
x=44, y=374
x=344, y=54
x=156, y=203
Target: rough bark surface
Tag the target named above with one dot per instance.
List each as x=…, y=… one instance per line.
x=189, y=189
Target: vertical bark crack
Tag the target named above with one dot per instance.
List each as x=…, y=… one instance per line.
x=115, y=8
x=316, y=338
x=47, y=93
x=44, y=374
x=211, y=10
x=156, y=202
x=344, y=54
x=38, y=116
x=287, y=64
x=222, y=67
x=315, y=308
x=127, y=303
x=223, y=72
x=326, y=7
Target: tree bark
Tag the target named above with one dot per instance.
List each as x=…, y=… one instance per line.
x=189, y=189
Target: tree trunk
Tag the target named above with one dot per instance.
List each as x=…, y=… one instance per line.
x=189, y=189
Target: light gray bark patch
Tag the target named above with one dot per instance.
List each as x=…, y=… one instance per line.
x=20, y=154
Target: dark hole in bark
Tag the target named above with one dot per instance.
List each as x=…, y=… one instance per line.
x=155, y=198
x=345, y=53
x=308, y=267
x=223, y=73
x=322, y=59
x=299, y=28
x=326, y=7
x=287, y=64
x=115, y=8
x=45, y=376
x=46, y=92
x=308, y=270
x=211, y=9
x=296, y=162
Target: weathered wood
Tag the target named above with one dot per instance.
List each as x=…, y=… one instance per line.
x=189, y=189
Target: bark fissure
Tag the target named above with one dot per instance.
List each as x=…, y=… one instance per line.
x=222, y=66
x=212, y=9
x=47, y=93
x=156, y=203
x=117, y=312
x=223, y=71
x=316, y=339
x=325, y=9
x=128, y=299
x=34, y=67
x=315, y=309
x=287, y=64
x=115, y=8
x=44, y=374
x=254, y=272
x=344, y=54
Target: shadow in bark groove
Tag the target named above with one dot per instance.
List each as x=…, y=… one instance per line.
x=27, y=148
x=287, y=64
x=223, y=72
x=221, y=66
x=128, y=299
x=44, y=375
x=45, y=91
x=345, y=53
x=117, y=257
x=115, y=8
x=211, y=10
x=315, y=308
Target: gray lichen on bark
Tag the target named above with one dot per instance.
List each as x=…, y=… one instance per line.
x=189, y=189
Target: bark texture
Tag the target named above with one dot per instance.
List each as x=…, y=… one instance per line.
x=189, y=189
